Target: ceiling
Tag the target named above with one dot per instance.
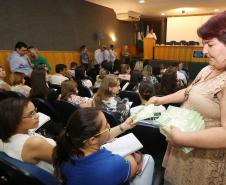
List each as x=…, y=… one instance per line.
x=154, y=8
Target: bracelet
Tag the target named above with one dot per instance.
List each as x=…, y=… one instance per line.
x=120, y=127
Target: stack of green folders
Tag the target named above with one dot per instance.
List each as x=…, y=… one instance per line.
x=184, y=119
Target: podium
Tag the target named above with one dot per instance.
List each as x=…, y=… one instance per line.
x=149, y=44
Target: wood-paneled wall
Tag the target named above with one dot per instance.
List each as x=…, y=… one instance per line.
x=58, y=57
x=177, y=53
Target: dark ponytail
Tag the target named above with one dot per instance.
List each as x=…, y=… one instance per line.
x=81, y=126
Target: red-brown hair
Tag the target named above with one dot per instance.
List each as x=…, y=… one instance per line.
x=215, y=27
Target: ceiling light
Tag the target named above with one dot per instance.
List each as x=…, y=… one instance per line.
x=141, y=1
x=216, y=10
x=162, y=13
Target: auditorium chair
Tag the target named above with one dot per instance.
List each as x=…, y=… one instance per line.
x=16, y=172
x=132, y=96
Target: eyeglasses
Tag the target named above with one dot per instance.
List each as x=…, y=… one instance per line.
x=31, y=114
x=105, y=130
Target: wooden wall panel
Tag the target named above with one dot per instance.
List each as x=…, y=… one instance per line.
x=177, y=53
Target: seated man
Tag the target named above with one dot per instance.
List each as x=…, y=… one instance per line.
x=3, y=84
x=37, y=59
x=60, y=76
x=18, y=61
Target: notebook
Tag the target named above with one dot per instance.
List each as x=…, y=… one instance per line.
x=124, y=145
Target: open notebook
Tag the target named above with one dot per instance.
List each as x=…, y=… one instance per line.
x=124, y=145
x=42, y=120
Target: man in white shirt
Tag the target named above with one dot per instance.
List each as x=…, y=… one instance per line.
x=151, y=34
x=99, y=55
x=59, y=77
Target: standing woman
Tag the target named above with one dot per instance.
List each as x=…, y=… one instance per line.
x=80, y=160
x=206, y=164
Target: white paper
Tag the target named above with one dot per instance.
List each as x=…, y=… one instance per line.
x=124, y=145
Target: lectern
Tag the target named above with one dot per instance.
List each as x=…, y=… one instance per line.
x=149, y=44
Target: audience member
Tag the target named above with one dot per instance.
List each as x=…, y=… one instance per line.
x=103, y=72
x=206, y=95
x=148, y=76
x=139, y=66
x=59, y=77
x=73, y=67
x=17, y=116
x=134, y=82
x=146, y=91
x=17, y=83
x=18, y=61
x=106, y=98
x=79, y=159
x=169, y=82
x=180, y=76
x=40, y=88
x=106, y=54
x=69, y=93
x=3, y=85
x=37, y=59
x=125, y=72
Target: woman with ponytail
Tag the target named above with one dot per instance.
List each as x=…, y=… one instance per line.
x=79, y=159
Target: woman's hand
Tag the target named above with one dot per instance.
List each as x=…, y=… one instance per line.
x=128, y=124
x=138, y=156
x=154, y=100
x=173, y=135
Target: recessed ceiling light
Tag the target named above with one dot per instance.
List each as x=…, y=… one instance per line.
x=141, y=1
x=162, y=13
x=216, y=10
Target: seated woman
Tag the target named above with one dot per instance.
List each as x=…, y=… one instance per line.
x=3, y=85
x=147, y=74
x=39, y=86
x=17, y=84
x=79, y=159
x=125, y=72
x=146, y=91
x=134, y=82
x=69, y=93
x=17, y=116
x=102, y=73
x=169, y=82
x=106, y=98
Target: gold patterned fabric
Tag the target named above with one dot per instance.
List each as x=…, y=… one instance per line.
x=201, y=166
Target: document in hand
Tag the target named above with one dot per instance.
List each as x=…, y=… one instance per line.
x=184, y=119
x=41, y=121
x=124, y=145
x=146, y=114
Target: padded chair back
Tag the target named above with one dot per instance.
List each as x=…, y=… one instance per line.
x=83, y=91
x=2, y=94
x=132, y=96
x=64, y=110
x=13, y=94
x=111, y=119
x=55, y=87
x=15, y=172
x=45, y=107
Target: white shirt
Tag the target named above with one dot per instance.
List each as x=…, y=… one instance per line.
x=106, y=55
x=113, y=55
x=14, y=148
x=181, y=76
x=151, y=35
x=98, y=56
x=57, y=79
